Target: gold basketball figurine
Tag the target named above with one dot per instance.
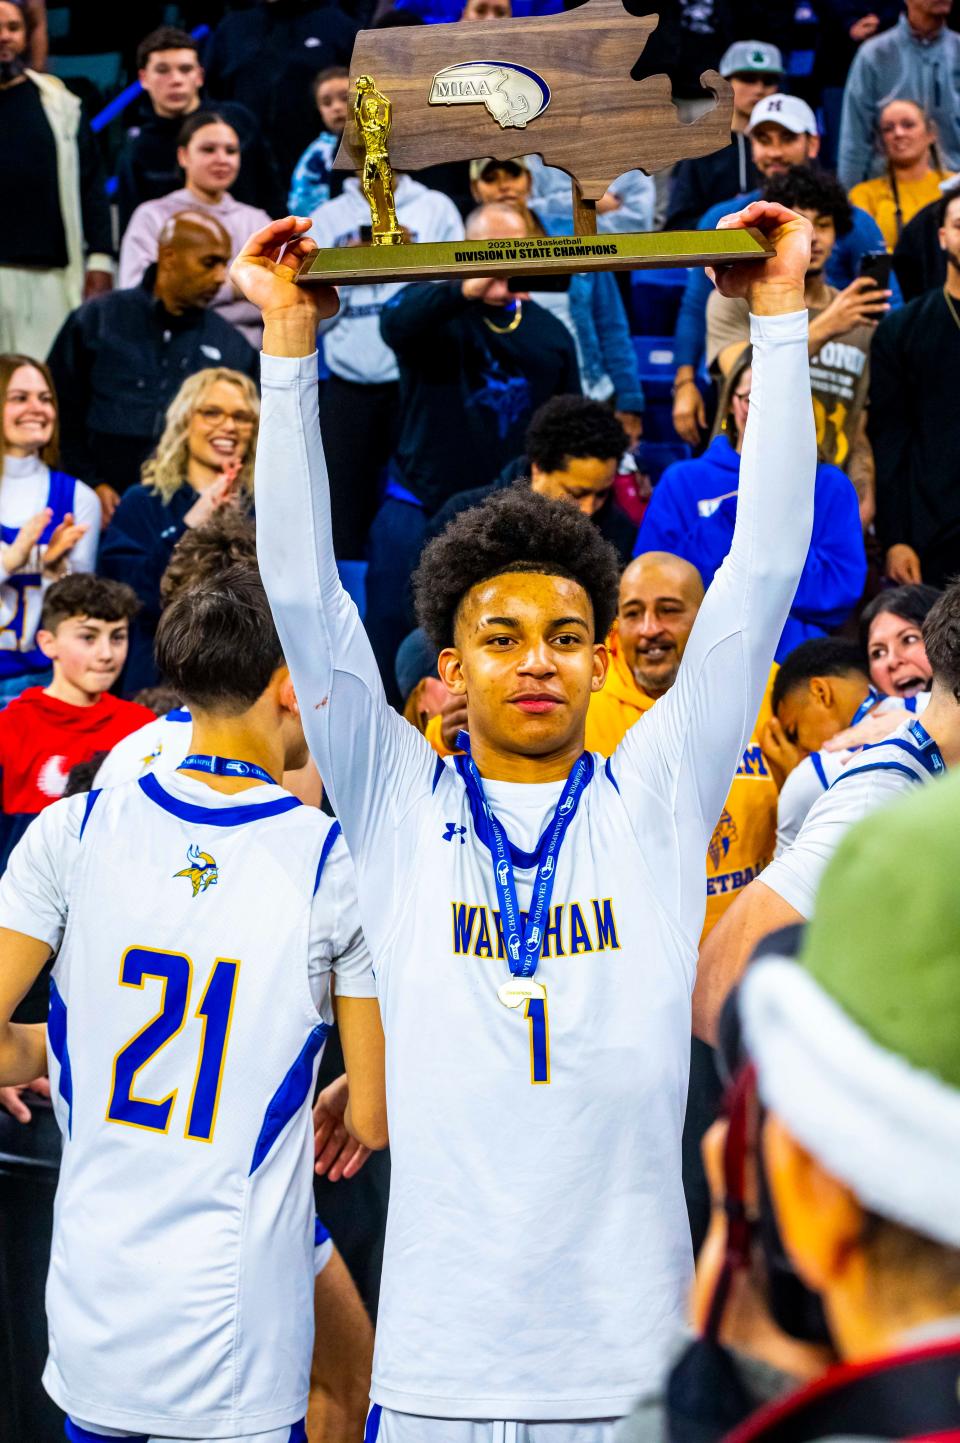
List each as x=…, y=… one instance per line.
x=373, y=116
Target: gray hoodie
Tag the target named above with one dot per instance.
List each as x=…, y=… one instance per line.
x=899, y=65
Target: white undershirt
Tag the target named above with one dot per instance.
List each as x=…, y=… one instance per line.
x=23, y=492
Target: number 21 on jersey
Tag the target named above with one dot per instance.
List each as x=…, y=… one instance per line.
x=174, y=972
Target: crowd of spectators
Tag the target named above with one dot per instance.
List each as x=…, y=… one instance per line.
x=129, y=376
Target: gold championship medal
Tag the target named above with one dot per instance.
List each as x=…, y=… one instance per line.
x=519, y=990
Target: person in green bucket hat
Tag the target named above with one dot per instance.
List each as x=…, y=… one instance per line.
x=855, y=1039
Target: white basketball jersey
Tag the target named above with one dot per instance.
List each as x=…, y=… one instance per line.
x=160, y=746
x=873, y=777
x=808, y=781
x=537, y=1250
x=573, y=1300
x=184, y=1041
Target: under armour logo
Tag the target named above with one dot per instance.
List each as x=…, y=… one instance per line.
x=454, y=831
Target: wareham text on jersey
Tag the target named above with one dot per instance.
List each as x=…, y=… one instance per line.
x=573, y=928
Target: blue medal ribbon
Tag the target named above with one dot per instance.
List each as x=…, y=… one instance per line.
x=224, y=767
x=927, y=744
x=865, y=707
x=523, y=944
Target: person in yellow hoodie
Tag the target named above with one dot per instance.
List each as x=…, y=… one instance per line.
x=660, y=596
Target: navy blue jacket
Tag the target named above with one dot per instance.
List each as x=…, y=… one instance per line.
x=135, y=548
x=118, y=362
x=692, y=513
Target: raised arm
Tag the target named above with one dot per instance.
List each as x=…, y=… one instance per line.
x=373, y=763
x=688, y=747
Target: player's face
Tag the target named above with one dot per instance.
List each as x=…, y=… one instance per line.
x=583, y=481
x=810, y=717
x=775, y=148
x=897, y=656
x=333, y=102
x=221, y=427
x=526, y=658
x=29, y=412
x=90, y=653
x=654, y=620
x=172, y=79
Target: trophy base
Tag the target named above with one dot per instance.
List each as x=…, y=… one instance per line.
x=538, y=256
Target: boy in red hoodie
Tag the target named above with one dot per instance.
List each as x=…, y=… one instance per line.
x=47, y=730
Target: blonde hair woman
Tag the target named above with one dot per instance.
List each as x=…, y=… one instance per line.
x=913, y=172
x=203, y=461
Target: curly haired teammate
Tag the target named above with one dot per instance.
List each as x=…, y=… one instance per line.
x=533, y=913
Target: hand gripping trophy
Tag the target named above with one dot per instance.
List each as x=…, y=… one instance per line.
x=373, y=117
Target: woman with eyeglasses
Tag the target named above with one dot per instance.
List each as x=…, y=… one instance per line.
x=694, y=506
x=203, y=461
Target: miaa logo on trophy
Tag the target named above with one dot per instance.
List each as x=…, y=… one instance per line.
x=513, y=94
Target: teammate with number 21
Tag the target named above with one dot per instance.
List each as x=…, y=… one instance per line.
x=533, y=912
x=197, y=923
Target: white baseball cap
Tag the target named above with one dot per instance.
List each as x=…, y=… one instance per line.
x=789, y=111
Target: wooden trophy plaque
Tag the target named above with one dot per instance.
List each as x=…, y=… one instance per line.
x=558, y=86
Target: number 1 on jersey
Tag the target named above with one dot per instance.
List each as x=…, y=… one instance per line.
x=216, y=1009
x=535, y=1011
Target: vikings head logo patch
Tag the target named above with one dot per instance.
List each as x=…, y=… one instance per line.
x=202, y=871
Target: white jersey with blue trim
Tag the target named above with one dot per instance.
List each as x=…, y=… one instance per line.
x=537, y=1248
x=160, y=746
x=809, y=780
x=195, y=936
x=873, y=776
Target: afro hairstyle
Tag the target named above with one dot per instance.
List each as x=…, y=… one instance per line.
x=513, y=530
x=803, y=187
x=566, y=427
